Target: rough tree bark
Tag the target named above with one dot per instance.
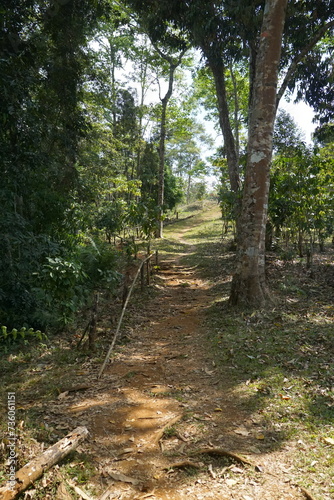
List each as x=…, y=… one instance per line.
x=249, y=284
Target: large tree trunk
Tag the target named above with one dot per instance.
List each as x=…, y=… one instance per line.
x=249, y=283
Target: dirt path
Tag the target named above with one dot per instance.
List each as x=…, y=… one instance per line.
x=163, y=399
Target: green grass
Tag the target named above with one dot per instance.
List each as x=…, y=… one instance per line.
x=170, y=432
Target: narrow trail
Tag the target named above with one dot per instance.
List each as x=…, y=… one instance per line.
x=163, y=398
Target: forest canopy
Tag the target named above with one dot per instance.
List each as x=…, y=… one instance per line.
x=102, y=136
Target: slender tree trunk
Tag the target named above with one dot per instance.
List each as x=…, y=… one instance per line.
x=218, y=69
x=249, y=283
x=162, y=147
x=236, y=115
x=143, y=88
x=173, y=64
x=188, y=188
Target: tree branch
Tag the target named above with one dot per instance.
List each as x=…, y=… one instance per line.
x=36, y=467
x=300, y=57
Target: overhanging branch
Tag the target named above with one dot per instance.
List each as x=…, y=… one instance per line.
x=293, y=66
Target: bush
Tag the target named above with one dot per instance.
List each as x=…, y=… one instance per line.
x=61, y=291
x=99, y=262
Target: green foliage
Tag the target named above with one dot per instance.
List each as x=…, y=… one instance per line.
x=173, y=190
x=23, y=334
x=112, y=217
x=145, y=214
x=80, y=467
x=301, y=195
x=287, y=136
x=99, y=263
x=228, y=200
x=324, y=135
x=41, y=122
x=60, y=291
x=79, y=147
x=22, y=255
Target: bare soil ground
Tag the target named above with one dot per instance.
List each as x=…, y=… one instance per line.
x=163, y=400
x=165, y=422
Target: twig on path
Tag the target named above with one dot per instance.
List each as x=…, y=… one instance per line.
x=122, y=315
x=211, y=472
x=160, y=432
x=106, y=494
x=79, y=491
x=183, y=464
x=306, y=493
x=223, y=453
x=182, y=438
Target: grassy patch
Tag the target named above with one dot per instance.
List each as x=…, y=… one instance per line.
x=78, y=466
x=170, y=432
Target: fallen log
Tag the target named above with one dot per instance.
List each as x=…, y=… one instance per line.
x=34, y=469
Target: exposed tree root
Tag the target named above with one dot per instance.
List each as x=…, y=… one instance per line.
x=183, y=464
x=77, y=388
x=223, y=453
x=307, y=494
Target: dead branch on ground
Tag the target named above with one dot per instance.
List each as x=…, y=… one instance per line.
x=34, y=469
x=182, y=465
x=223, y=453
x=160, y=432
x=306, y=493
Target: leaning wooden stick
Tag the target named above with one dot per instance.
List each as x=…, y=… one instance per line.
x=35, y=469
x=121, y=317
